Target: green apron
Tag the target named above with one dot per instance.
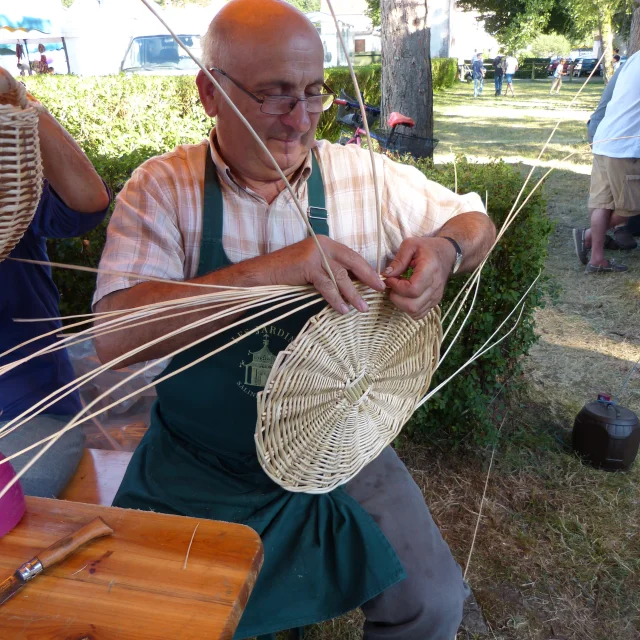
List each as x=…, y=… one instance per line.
x=323, y=554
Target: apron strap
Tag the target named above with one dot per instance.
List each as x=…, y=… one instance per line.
x=211, y=249
x=212, y=254
x=317, y=210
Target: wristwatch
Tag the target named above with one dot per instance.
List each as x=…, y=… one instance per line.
x=456, y=246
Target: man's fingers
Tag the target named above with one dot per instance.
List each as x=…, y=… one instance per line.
x=360, y=268
x=413, y=287
x=416, y=308
x=402, y=261
x=328, y=291
x=345, y=294
x=349, y=292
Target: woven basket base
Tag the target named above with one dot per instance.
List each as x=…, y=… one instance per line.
x=342, y=391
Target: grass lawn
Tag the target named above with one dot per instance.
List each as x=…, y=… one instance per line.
x=515, y=128
x=557, y=555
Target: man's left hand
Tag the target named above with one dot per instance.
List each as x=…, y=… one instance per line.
x=432, y=260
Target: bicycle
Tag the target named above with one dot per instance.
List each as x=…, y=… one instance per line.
x=390, y=140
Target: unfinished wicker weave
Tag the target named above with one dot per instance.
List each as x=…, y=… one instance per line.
x=20, y=170
x=20, y=174
x=342, y=391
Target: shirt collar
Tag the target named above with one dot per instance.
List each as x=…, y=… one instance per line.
x=299, y=178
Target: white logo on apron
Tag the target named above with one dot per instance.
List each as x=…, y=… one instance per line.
x=257, y=369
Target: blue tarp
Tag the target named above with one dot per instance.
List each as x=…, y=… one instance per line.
x=17, y=20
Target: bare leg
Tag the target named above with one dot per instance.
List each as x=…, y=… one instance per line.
x=614, y=221
x=600, y=221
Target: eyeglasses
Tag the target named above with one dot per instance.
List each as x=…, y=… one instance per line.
x=282, y=105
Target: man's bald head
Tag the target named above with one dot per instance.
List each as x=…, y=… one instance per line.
x=242, y=28
x=263, y=49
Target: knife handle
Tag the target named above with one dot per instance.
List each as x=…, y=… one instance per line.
x=63, y=548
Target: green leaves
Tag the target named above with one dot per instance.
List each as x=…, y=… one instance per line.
x=461, y=410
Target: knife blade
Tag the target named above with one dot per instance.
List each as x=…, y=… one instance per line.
x=57, y=552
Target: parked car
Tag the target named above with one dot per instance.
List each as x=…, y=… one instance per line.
x=554, y=63
x=160, y=55
x=584, y=66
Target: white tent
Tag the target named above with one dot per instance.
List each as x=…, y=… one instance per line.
x=31, y=22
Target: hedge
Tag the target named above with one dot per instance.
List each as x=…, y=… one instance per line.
x=122, y=121
x=540, y=68
x=444, y=73
x=464, y=406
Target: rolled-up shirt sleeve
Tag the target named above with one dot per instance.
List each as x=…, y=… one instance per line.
x=143, y=238
x=414, y=206
x=54, y=219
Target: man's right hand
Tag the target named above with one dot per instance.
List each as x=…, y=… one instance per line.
x=297, y=264
x=301, y=263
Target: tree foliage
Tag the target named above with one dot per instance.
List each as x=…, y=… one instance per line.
x=551, y=44
x=516, y=23
x=373, y=12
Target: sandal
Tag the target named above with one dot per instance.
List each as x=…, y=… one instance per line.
x=581, y=250
x=612, y=267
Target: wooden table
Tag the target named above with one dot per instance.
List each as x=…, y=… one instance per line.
x=98, y=477
x=133, y=584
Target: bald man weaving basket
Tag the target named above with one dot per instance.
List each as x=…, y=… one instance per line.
x=217, y=213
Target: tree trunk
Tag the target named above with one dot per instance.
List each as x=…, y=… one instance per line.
x=406, y=63
x=634, y=36
x=606, y=38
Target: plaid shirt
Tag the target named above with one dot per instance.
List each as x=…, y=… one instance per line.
x=156, y=227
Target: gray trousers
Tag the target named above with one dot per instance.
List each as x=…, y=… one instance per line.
x=51, y=474
x=427, y=605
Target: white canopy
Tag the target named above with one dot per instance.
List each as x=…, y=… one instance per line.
x=40, y=20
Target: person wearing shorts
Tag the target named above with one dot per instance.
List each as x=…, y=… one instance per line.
x=615, y=178
x=511, y=66
x=556, y=84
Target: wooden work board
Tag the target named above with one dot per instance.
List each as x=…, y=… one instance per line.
x=132, y=584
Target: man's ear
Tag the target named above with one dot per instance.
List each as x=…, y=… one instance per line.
x=207, y=94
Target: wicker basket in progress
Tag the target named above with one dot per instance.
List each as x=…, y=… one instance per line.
x=342, y=391
x=20, y=173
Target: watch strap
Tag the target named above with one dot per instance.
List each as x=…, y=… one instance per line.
x=458, y=249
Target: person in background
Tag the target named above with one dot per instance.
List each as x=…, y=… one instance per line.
x=623, y=232
x=615, y=177
x=74, y=201
x=498, y=75
x=511, y=66
x=616, y=62
x=478, y=71
x=558, y=72
x=42, y=65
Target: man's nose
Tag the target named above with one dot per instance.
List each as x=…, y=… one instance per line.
x=298, y=118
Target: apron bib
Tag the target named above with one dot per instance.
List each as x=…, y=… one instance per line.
x=323, y=554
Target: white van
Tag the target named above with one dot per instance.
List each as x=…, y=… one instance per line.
x=161, y=55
